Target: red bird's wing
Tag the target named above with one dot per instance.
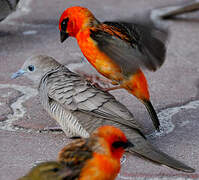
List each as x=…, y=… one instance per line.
x=74, y=156
x=52, y=170
x=131, y=46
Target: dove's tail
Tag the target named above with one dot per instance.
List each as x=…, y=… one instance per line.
x=143, y=148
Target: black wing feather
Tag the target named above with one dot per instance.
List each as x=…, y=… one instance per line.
x=142, y=47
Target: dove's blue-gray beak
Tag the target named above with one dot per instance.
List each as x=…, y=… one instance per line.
x=17, y=74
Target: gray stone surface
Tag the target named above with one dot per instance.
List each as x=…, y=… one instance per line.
x=33, y=29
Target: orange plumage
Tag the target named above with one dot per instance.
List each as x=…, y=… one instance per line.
x=98, y=157
x=116, y=50
x=93, y=158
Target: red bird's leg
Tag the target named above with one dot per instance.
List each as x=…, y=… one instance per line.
x=95, y=80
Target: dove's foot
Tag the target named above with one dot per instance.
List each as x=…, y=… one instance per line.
x=52, y=129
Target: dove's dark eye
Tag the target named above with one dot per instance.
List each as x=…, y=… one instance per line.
x=31, y=68
x=64, y=24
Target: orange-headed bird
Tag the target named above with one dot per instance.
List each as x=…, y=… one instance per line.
x=117, y=50
x=98, y=157
x=93, y=158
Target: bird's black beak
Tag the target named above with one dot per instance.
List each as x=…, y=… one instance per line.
x=63, y=36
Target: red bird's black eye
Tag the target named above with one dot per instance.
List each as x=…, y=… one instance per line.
x=64, y=24
x=123, y=144
x=118, y=144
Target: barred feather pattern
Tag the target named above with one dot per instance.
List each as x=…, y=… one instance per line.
x=63, y=116
x=80, y=108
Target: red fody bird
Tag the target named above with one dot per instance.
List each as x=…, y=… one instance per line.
x=93, y=158
x=97, y=157
x=118, y=50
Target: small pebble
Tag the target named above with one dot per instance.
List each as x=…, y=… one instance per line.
x=29, y=32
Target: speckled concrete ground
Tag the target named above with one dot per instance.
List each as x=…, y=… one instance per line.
x=174, y=88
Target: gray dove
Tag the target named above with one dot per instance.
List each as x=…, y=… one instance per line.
x=80, y=108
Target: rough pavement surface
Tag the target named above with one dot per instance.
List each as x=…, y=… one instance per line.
x=33, y=29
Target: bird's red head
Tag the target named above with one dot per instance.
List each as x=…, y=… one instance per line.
x=73, y=20
x=115, y=139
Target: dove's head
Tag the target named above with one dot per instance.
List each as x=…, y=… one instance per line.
x=36, y=67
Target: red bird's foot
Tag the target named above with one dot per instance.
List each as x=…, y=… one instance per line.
x=100, y=82
x=95, y=80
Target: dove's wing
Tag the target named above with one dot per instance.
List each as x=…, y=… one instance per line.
x=74, y=94
x=51, y=89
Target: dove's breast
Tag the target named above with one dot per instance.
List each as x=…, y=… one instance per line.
x=67, y=120
x=63, y=115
